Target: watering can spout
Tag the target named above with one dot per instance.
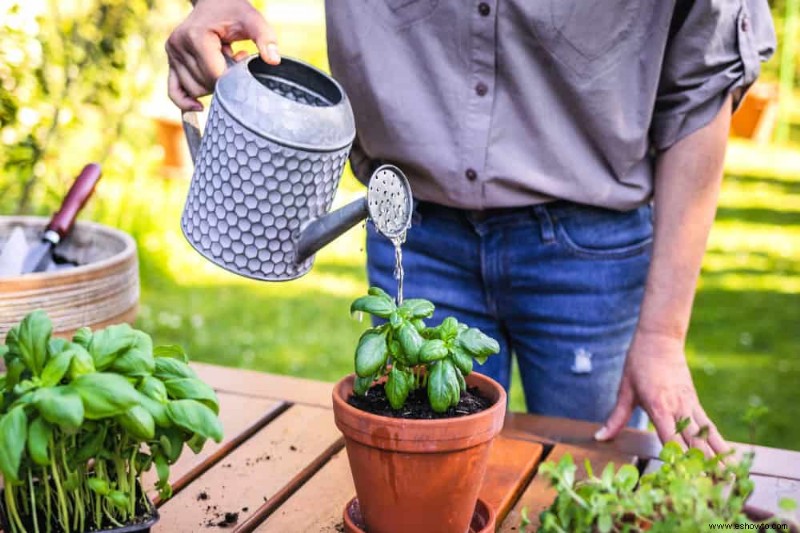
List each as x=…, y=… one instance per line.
x=324, y=230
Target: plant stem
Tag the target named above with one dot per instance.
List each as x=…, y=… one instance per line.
x=63, y=517
x=11, y=507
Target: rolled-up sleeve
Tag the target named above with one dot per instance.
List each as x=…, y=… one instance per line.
x=715, y=49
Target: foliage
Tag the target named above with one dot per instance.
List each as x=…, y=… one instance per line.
x=688, y=493
x=438, y=358
x=81, y=420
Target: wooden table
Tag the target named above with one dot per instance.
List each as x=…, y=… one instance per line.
x=282, y=467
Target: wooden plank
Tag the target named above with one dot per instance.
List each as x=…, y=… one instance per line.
x=240, y=416
x=269, y=386
x=550, y=430
x=539, y=495
x=318, y=505
x=272, y=462
x=511, y=466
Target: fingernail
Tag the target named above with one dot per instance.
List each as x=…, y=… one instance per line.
x=272, y=53
x=602, y=434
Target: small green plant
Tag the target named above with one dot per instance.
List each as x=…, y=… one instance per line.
x=688, y=493
x=413, y=355
x=81, y=421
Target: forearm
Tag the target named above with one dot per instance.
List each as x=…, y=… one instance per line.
x=687, y=182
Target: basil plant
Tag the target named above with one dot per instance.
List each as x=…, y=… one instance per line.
x=413, y=355
x=81, y=420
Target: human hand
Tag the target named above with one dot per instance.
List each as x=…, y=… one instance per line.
x=196, y=47
x=657, y=378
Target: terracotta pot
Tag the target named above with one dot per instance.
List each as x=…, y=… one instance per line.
x=419, y=476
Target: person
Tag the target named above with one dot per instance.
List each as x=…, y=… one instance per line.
x=566, y=157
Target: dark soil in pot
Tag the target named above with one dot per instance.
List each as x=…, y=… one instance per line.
x=417, y=406
x=146, y=517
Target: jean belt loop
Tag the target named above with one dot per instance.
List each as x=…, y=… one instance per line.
x=545, y=223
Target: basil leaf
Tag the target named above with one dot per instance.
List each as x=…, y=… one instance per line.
x=138, y=423
x=81, y=364
x=171, y=350
x=448, y=329
x=362, y=385
x=411, y=342
x=157, y=410
x=462, y=359
x=196, y=443
x=98, y=486
x=374, y=305
x=56, y=368
x=153, y=388
x=110, y=343
x=14, y=368
x=417, y=308
x=432, y=350
x=39, y=434
x=397, y=387
x=56, y=346
x=371, y=353
x=418, y=324
x=395, y=320
x=162, y=469
x=13, y=435
x=92, y=445
x=167, y=368
x=441, y=384
x=105, y=395
x=462, y=384
x=172, y=443
x=61, y=406
x=83, y=337
x=138, y=359
x=377, y=291
x=478, y=344
x=33, y=338
x=196, y=418
x=192, y=389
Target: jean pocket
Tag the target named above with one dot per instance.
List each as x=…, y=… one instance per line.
x=598, y=233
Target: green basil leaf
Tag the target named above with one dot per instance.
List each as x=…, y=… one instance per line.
x=56, y=368
x=432, y=350
x=39, y=433
x=377, y=291
x=97, y=485
x=174, y=441
x=167, y=368
x=478, y=344
x=374, y=305
x=171, y=350
x=371, y=353
x=162, y=469
x=14, y=370
x=192, y=389
x=395, y=320
x=83, y=337
x=91, y=446
x=2, y=383
x=439, y=389
x=411, y=342
x=196, y=443
x=56, y=346
x=417, y=308
x=81, y=364
x=13, y=435
x=448, y=329
x=157, y=410
x=462, y=359
x=418, y=324
x=138, y=359
x=397, y=387
x=196, y=418
x=105, y=395
x=33, y=340
x=119, y=500
x=362, y=385
x=462, y=384
x=61, y=406
x=110, y=343
x=627, y=477
x=153, y=388
x=138, y=422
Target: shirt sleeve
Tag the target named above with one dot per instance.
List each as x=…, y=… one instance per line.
x=715, y=48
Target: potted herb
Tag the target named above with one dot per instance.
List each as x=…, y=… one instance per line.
x=418, y=423
x=81, y=421
x=688, y=493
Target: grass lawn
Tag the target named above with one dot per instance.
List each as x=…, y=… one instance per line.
x=745, y=333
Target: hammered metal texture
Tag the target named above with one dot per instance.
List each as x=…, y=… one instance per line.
x=249, y=198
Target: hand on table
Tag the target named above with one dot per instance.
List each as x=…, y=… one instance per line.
x=196, y=47
x=657, y=378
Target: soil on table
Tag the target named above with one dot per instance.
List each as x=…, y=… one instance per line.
x=417, y=406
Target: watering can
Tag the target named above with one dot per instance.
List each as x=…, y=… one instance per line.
x=267, y=167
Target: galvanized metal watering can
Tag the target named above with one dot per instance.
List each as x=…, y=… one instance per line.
x=267, y=168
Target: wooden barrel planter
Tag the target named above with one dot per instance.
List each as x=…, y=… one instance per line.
x=103, y=290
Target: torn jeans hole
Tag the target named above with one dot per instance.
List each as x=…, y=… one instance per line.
x=583, y=362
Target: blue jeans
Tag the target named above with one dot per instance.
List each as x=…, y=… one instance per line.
x=559, y=285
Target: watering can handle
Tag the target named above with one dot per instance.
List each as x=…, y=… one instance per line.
x=191, y=124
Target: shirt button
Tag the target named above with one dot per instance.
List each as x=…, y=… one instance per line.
x=481, y=89
x=484, y=9
x=471, y=174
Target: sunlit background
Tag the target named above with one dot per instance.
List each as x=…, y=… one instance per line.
x=85, y=81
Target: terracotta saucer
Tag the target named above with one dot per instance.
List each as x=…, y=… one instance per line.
x=483, y=520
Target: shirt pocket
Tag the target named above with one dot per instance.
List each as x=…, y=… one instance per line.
x=584, y=36
x=401, y=14
x=596, y=233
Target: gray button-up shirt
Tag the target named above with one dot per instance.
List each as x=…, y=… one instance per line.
x=501, y=103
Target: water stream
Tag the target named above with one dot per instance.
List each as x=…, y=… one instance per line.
x=398, y=265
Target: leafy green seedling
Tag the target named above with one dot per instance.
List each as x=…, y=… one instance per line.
x=81, y=420
x=412, y=355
